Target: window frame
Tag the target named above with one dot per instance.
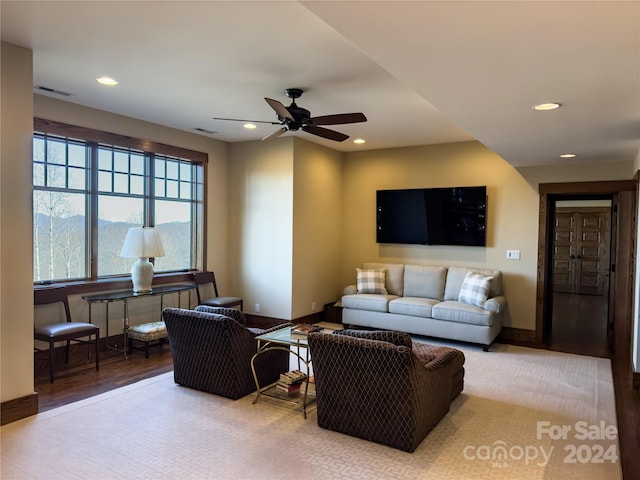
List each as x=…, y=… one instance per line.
x=97, y=138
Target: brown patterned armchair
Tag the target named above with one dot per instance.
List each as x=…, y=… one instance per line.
x=374, y=386
x=212, y=350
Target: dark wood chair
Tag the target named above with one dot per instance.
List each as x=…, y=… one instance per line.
x=63, y=331
x=202, y=279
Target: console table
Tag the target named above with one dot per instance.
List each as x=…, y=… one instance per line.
x=124, y=296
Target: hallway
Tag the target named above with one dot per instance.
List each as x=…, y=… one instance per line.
x=579, y=325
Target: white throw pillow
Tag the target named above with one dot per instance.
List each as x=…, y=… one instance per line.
x=371, y=280
x=475, y=289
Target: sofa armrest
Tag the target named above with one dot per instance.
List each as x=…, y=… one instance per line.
x=350, y=290
x=496, y=304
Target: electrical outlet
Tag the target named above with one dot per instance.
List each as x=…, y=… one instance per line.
x=313, y=306
x=513, y=254
x=257, y=309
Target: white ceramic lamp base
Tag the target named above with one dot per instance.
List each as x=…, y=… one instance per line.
x=142, y=275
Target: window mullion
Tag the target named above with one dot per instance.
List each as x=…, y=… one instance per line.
x=92, y=211
x=149, y=192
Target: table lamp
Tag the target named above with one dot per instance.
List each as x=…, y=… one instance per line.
x=142, y=243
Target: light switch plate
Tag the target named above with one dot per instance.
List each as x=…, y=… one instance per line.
x=513, y=254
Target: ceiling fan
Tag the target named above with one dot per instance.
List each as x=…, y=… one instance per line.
x=294, y=118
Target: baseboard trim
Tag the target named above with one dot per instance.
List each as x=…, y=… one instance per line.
x=517, y=336
x=18, y=408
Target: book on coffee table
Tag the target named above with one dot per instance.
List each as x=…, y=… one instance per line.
x=301, y=331
x=328, y=327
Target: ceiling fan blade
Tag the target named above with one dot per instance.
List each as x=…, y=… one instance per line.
x=275, y=134
x=325, y=133
x=338, y=119
x=280, y=109
x=250, y=121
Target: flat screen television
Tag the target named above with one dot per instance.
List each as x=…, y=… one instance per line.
x=432, y=216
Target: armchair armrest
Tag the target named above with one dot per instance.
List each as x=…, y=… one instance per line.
x=400, y=339
x=277, y=327
x=496, y=304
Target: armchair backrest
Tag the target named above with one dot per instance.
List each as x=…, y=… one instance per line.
x=377, y=390
x=205, y=331
x=366, y=365
x=210, y=352
x=213, y=352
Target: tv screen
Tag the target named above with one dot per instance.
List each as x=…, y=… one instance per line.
x=401, y=216
x=432, y=216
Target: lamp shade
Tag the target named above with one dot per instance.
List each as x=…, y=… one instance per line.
x=142, y=242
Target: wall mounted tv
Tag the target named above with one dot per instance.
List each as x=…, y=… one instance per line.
x=432, y=216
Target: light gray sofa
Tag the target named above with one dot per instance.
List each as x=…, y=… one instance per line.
x=425, y=300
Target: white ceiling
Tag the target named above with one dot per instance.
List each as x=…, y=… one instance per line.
x=423, y=72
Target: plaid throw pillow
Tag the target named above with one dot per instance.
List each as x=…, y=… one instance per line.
x=371, y=281
x=475, y=289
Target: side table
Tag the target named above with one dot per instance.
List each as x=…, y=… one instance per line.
x=281, y=340
x=333, y=312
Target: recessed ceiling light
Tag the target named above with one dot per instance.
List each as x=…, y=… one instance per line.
x=108, y=81
x=249, y=126
x=568, y=155
x=546, y=106
x=359, y=140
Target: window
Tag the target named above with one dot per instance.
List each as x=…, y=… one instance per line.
x=88, y=193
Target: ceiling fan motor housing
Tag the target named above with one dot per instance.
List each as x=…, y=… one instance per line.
x=301, y=116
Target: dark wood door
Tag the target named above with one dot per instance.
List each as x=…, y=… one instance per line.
x=581, y=250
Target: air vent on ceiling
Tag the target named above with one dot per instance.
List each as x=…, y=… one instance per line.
x=210, y=132
x=42, y=88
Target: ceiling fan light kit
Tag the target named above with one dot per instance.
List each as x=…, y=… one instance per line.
x=294, y=118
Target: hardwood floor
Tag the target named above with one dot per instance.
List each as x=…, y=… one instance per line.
x=115, y=371
x=579, y=325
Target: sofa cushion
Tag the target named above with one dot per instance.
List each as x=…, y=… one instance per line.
x=395, y=276
x=424, y=281
x=415, y=306
x=456, y=276
x=475, y=289
x=368, y=301
x=371, y=280
x=462, y=313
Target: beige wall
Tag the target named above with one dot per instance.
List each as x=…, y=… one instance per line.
x=285, y=209
x=512, y=219
x=16, y=292
x=317, y=239
x=261, y=225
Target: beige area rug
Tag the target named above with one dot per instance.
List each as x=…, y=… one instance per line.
x=524, y=414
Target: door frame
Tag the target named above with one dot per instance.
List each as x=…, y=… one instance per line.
x=622, y=253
